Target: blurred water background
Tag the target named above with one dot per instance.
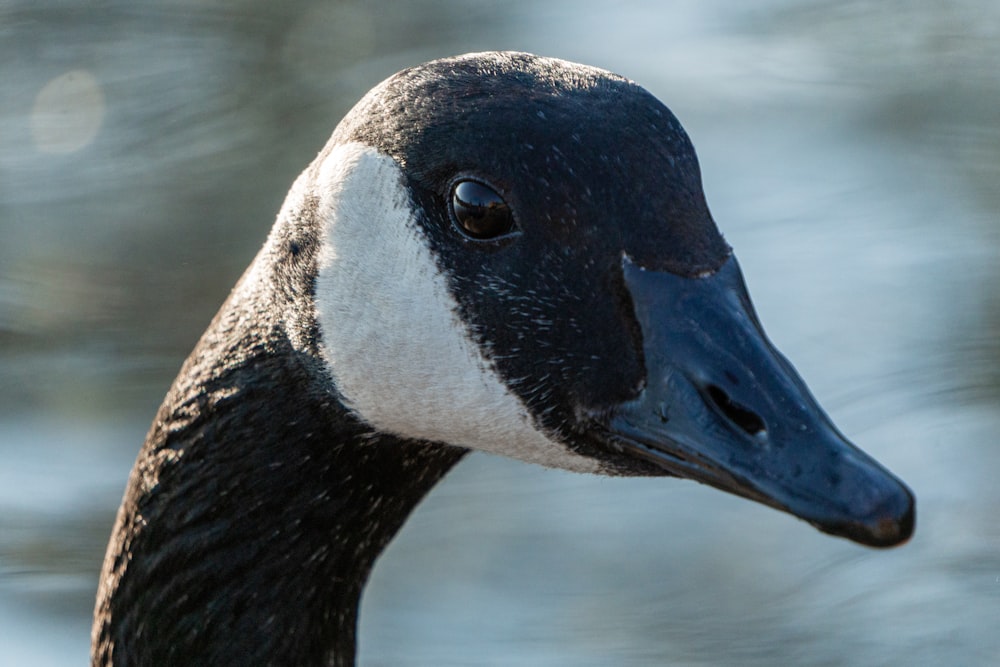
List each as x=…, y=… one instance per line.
x=851, y=155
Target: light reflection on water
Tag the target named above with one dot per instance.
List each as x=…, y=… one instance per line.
x=850, y=154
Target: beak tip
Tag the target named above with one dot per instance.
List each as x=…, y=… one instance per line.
x=895, y=526
x=890, y=524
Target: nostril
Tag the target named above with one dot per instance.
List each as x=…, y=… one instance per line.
x=748, y=420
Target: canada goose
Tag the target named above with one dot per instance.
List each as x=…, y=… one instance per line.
x=499, y=252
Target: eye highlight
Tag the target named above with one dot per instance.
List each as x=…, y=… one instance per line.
x=479, y=211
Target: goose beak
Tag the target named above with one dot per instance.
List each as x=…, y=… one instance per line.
x=722, y=406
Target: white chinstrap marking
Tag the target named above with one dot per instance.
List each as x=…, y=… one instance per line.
x=395, y=345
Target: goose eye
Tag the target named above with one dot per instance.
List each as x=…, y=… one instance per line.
x=479, y=211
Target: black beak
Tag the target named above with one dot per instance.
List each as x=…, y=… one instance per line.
x=722, y=406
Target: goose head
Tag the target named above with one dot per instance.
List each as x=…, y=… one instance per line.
x=495, y=252
x=514, y=255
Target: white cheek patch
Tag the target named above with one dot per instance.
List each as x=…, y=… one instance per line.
x=396, y=348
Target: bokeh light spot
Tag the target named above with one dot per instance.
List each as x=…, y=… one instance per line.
x=68, y=112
